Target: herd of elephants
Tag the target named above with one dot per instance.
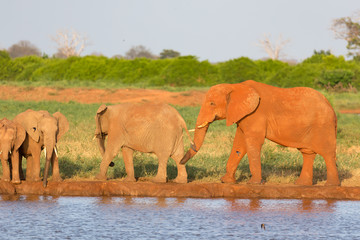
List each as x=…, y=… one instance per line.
x=298, y=117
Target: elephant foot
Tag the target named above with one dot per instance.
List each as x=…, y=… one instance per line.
x=255, y=180
x=100, y=177
x=15, y=181
x=158, y=179
x=335, y=182
x=57, y=179
x=180, y=179
x=304, y=182
x=227, y=178
x=130, y=179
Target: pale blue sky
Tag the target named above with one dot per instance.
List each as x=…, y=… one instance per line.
x=216, y=30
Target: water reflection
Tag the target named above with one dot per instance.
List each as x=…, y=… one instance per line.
x=303, y=205
x=26, y=217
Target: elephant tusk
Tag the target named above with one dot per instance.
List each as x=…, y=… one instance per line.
x=56, y=152
x=0, y=152
x=45, y=152
x=191, y=130
x=203, y=125
x=10, y=152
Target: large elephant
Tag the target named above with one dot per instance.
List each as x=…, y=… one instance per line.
x=43, y=132
x=147, y=127
x=298, y=117
x=12, y=135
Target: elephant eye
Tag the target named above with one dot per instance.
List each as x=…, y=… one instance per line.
x=34, y=129
x=212, y=104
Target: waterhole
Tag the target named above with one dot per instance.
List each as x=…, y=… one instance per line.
x=41, y=217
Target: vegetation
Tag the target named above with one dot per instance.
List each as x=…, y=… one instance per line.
x=321, y=71
x=80, y=157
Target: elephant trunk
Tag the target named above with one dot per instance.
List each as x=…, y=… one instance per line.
x=49, y=150
x=199, y=136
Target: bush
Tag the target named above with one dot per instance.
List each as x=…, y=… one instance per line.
x=53, y=70
x=238, y=70
x=21, y=68
x=188, y=71
x=318, y=71
x=269, y=69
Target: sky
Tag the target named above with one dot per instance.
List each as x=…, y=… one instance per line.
x=213, y=30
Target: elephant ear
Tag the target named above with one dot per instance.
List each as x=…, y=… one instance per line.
x=241, y=101
x=63, y=124
x=29, y=120
x=101, y=109
x=20, y=136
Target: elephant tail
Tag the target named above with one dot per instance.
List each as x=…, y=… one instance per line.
x=187, y=131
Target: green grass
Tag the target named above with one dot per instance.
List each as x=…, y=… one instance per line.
x=80, y=157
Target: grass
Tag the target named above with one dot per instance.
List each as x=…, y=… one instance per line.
x=80, y=158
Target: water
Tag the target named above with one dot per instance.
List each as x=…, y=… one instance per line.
x=40, y=217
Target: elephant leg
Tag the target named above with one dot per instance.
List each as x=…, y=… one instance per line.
x=111, y=151
x=21, y=172
x=161, y=176
x=129, y=164
x=6, y=170
x=181, y=169
x=55, y=168
x=306, y=175
x=36, y=165
x=33, y=169
x=15, y=167
x=253, y=147
x=331, y=169
x=237, y=153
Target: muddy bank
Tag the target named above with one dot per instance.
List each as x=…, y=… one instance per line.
x=195, y=190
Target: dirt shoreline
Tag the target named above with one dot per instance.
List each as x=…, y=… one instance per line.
x=90, y=95
x=189, y=190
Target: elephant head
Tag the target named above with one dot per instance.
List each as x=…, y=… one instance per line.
x=12, y=135
x=46, y=130
x=232, y=102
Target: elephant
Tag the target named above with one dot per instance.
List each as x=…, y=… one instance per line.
x=43, y=132
x=146, y=127
x=12, y=136
x=297, y=117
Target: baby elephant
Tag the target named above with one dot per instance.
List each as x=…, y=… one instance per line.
x=12, y=135
x=146, y=127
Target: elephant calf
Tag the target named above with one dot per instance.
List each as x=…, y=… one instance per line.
x=12, y=135
x=146, y=127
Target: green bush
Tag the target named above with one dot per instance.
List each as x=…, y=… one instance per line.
x=53, y=70
x=318, y=71
x=21, y=68
x=238, y=70
x=89, y=68
x=269, y=69
x=188, y=71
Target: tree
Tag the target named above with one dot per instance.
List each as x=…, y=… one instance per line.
x=23, y=48
x=139, y=52
x=168, y=53
x=70, y=43
x=273, y=50
x=348, y=28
